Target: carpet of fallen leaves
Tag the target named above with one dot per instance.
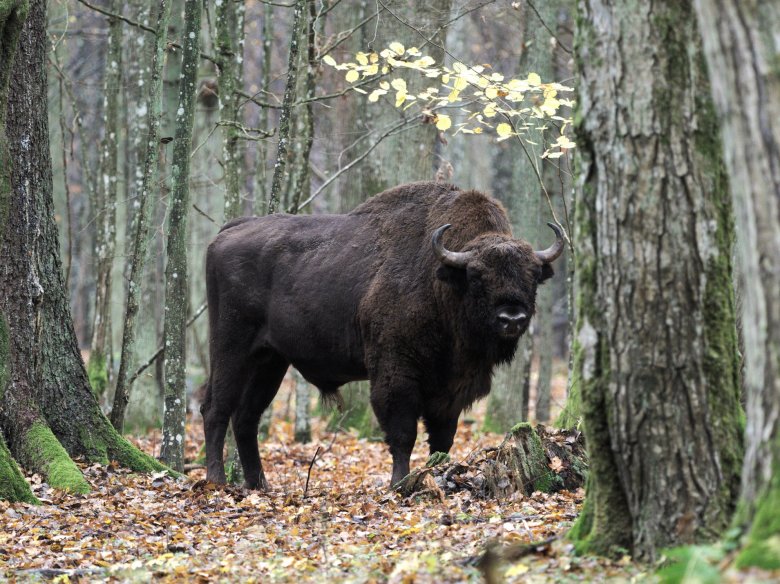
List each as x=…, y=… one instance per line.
x=345, y=527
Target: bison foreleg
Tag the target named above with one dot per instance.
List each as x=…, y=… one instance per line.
x=398, y=419
x=441, y=432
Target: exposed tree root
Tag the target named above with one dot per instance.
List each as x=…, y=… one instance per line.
x=529, y=459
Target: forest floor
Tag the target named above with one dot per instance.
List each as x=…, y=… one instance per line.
x=345, y=527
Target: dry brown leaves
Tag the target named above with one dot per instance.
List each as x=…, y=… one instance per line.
x=135, y=528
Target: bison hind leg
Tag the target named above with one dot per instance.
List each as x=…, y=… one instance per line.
x=257, y=395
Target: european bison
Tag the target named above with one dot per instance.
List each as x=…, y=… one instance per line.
x=379, y=293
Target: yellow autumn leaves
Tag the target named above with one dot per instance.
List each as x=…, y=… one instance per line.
x=476, y=96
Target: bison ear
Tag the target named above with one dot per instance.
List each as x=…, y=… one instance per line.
x=453, y=276
x=546, y=273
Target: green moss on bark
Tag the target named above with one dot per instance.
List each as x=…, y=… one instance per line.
x=13, y=487
x=532, y=458
x=97, y=373
x=44, y=452
x=721, y=358
x=605, y=526
x=113, y=446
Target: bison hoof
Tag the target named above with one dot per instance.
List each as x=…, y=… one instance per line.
x=437, y=458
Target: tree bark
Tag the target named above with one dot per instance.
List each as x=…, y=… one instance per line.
x=47, y=411
x=656, y=339
x=176, y=270
x=142, y=202
x=12, y=16
x=280, y=166
x=100, y=363
x=230, y=50
x=740, y=42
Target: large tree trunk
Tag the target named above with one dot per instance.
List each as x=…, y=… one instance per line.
x=47, y=403
x=740, y=41
x=657, y=356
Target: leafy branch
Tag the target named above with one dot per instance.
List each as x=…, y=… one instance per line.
x=485, y=97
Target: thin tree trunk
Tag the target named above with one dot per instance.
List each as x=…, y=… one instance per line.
x=261, y=164
x=302, y=429
x=141, y=236
x=230, y=48
x=657, y=354
x=176, y=279
x=100, y=363
x=298, y=182
x=280, y=166
x=522, y=194
x=740, y=41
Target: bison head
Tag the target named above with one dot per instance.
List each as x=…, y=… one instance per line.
x=496, y=279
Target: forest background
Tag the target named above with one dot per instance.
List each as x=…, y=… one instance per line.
x=654, y=376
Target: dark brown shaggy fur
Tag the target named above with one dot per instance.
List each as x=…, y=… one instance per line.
x=363, y=296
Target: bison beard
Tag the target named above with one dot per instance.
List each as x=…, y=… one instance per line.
x=375, y=294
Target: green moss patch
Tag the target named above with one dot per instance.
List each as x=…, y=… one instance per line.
x=97, y=372
x=762, y=548
x=13, y=487
x=45, y=454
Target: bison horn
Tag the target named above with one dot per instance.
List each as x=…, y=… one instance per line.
x=454, y=259
x=555, y=250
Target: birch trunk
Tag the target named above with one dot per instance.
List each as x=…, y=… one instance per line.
x=176, y=276
x=740, y=41
x=656, y=339
x=261, y=160
x=280, y=166
x=230, y=51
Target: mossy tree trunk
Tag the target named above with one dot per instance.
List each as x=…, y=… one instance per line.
x=657, y=355
x=176, y=279
x=12, y=15
x=740, y=41
x=48, y=413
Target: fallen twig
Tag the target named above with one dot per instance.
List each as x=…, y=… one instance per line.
x=308, y=474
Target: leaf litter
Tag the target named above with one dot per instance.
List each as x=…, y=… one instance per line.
x=347, y=527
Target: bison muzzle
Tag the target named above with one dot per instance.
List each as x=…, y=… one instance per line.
x=422, y=290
